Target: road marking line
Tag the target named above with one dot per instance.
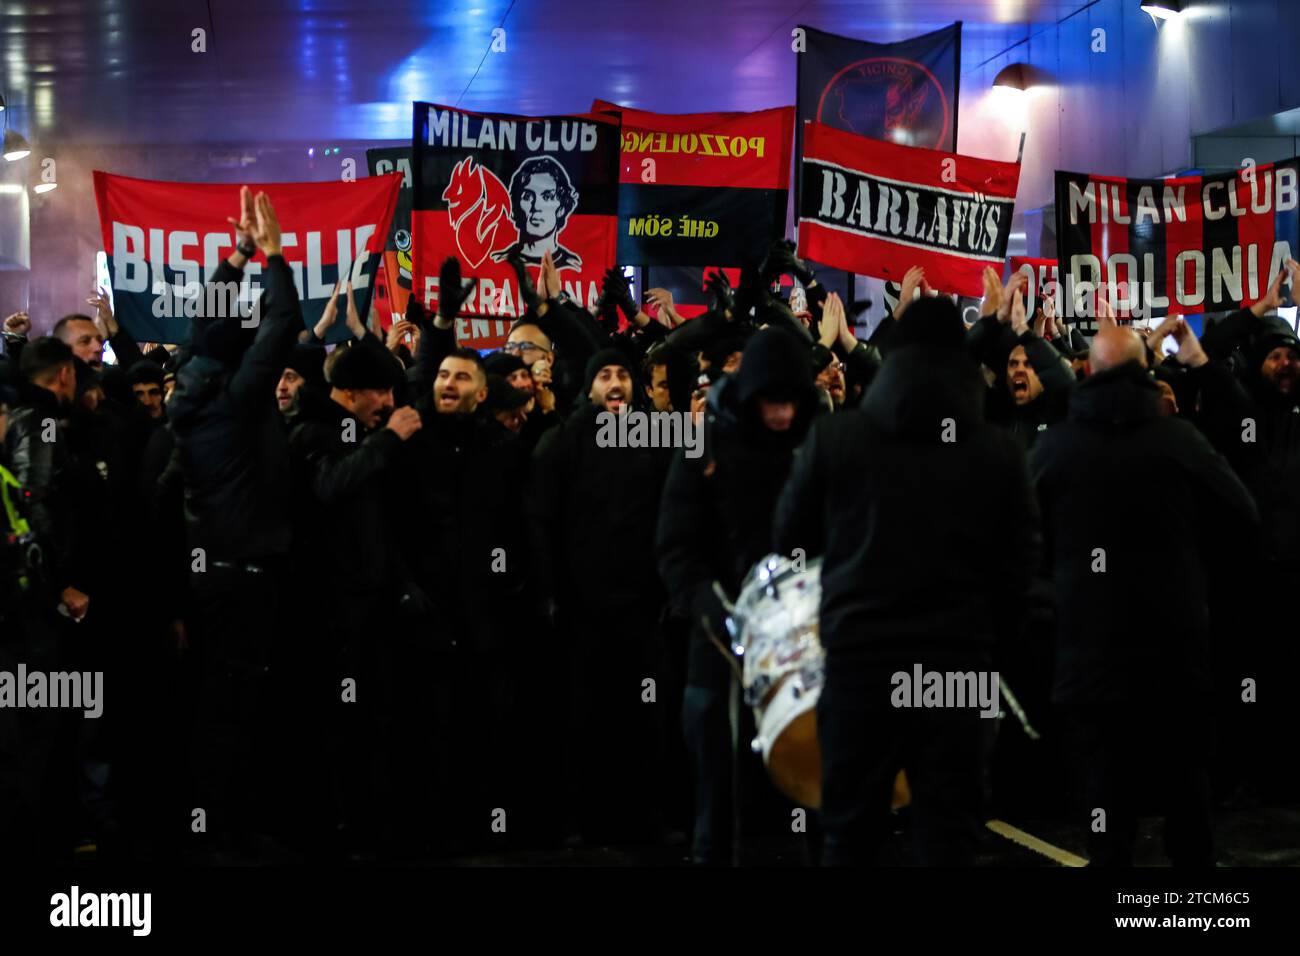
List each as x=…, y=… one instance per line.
x=1029, y=841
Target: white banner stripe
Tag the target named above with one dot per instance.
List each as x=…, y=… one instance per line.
x=904, y=242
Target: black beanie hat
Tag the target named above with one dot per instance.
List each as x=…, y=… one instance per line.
x=502, y=396
x=774, y=363
x=309, y=362
x=365, y=366
x=600, y=360
x=1275, y=333
x=145, y=373
x=930, y=321
x=225, y=340
x=821, y=357
x=503, y=364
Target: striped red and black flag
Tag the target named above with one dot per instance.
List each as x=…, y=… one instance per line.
x=697, y=189
x=878, y=208
x=1188, y=244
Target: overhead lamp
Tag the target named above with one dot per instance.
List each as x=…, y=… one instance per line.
x=1163, y=9
x=16, y=147
x=2, y=102
x=44, y=187
x=1021, y=77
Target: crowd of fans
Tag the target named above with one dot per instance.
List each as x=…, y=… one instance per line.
x=393, y=599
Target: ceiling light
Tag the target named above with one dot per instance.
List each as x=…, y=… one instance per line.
x=1163, y=9
x=44, y=187
x=15, y=146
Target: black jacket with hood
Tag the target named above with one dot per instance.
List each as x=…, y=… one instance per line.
x=1141, y=624
x=229, y=433
x=715, y=519
x=922, y=511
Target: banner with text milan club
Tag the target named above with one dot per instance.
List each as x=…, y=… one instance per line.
x=878, y=208
x=1178, y=245
x=397, y=247
x=488, y=185
x=697, y=189
x=164, y=240
x=1041, y=276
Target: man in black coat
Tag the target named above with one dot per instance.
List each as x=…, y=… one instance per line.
x=234, y=454
x=39, y=453
x=927, y=526
x=1132, y=668
x=594, y=510
x=465, y=607
x=345, y=445
x=715, y=523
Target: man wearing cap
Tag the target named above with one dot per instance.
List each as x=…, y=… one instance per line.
x=594, y=511
x=344, y=446
x=507, y=404
x=306, y=366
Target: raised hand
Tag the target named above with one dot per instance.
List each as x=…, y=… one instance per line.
x=266, y=227
x=531, y=293
x=832, y=319
x=398, y=331
x=992, y=303
x=1019, y=321
x=330, y=313
x=354, y=322
x=912, y=280
x=452, y=292
x=1190, y=352
x=718, y=286
x=247, y=220
x=20, y=323
x=781, y=260
x=549, y=285
x=1015, y=284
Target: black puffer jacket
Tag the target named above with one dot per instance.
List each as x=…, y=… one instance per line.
x=231, y=437
x=1119, y=632
x=922, y=511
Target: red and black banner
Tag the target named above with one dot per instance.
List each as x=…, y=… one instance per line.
x=488, y=185
x=1187, y=244
x=697, y=189
x=1040, y=275
x=396, y=267
x=879, y=208
x=164, y=240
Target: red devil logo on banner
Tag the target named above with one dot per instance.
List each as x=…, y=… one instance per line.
x=476, y=202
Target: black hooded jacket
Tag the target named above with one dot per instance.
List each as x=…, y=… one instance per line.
x=231, y=438
x=1142, y=622
x=923, y=514
x=1270, y=464
x=715, y=520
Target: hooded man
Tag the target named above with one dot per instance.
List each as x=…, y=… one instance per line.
x=715, y=523
x=593, y=509
x=306, y=366
x=1132, y=673
x=924, y=518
